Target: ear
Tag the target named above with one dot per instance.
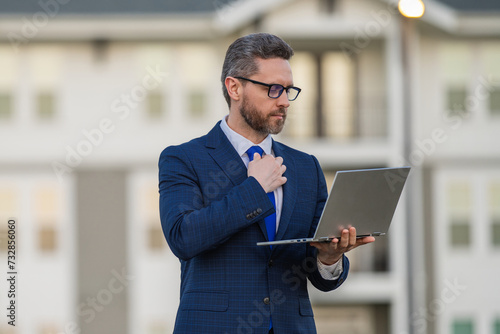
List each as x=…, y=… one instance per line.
x=234, y=88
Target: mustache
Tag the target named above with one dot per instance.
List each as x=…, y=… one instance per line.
x=281, y=112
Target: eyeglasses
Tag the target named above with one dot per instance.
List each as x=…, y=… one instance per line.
x=275, y=90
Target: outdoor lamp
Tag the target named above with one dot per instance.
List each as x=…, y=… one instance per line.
x=411, y=8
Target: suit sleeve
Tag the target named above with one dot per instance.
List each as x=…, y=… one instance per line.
x=315, y=277
x=191, y=226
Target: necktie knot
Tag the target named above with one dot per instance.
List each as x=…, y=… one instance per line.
x=254, y=149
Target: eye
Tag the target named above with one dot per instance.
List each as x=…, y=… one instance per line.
x=275, y=91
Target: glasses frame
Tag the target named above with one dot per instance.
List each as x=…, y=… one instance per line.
x=269, y=86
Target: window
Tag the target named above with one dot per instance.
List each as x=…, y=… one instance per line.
x=490, y=54
x=338, y=95
x=495, y=232
x=326, y=106
x=155, y=240
x=45, y=106
x=45, y=64
x=460, y=233
x=456, y=97
x=9, y=79
x=302, y=115
x=47, y=238
x=8, y=329
x=48, y=329
x=5, y=106
x=370, y=71
x=8, y=209
x=462, y=327
x=495, y=101
x=3, y=239
x=328, y=6
x=459, y=214
x=496, y=326
x=157, y=328
x=197, y=76
x=47, y=209
x=495, y=213
x=157, y=56
x=196, y=103
x=455, y=60
x=155, y=105
x=366, y=319
x=342, y=97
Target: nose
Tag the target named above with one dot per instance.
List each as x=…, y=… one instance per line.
x=282, y=101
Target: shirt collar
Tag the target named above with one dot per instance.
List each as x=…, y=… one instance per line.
x=242, y=144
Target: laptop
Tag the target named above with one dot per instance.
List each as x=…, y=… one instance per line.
x=365, y=199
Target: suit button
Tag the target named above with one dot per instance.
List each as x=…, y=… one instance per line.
x=267, y=301
x=249, y=217
x=259, y=211
x=270, y=263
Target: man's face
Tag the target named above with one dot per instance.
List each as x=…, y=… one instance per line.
x=263, y=114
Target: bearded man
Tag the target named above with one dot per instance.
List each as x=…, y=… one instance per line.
x=222, y=193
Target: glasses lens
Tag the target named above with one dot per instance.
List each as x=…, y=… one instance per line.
x=292, y=93
x=275, y=91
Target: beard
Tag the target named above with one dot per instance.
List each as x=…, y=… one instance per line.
x=263, y=124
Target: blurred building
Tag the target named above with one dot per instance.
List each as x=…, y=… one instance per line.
x=91, y=92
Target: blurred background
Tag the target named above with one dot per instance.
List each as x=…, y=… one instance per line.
x=92, y=91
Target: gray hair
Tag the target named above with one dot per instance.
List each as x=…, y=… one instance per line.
x=241, y=54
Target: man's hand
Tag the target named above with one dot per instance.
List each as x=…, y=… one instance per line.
x=331, y=252
x=268, y=171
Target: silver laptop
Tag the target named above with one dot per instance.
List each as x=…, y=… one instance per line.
x=365, y=199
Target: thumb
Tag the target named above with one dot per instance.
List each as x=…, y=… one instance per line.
x=256, y=156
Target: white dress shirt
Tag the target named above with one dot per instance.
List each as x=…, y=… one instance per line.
x=241, y=145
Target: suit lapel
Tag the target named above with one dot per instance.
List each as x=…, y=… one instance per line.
x=289, y=189
x=225, y=155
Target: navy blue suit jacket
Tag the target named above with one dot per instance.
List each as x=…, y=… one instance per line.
x=212, y=215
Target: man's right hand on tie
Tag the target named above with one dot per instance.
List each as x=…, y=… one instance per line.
x=268, y=171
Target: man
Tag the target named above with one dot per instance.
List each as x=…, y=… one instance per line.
x=218, y=199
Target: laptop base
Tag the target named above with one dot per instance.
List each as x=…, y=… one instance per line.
x=307, y=240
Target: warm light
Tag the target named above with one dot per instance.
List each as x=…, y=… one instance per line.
x=411, y=8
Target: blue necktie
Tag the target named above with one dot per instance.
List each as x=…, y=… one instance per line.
x=271, y=219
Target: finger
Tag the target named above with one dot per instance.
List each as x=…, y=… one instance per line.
x=344, y=239
x=324, y=244
x=352, y=236
x=319, y=245
x=256, y=156
x=283, y=169
x=279, y=160
x=365, y=240
x=332, y=243
x=335, y=243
